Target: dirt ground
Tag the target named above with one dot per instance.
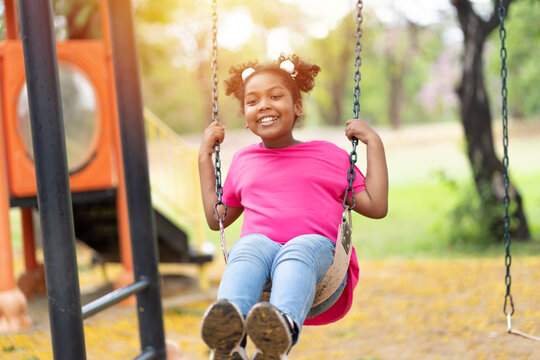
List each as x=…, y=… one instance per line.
x=404, y=309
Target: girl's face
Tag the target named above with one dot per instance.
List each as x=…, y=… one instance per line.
x=270, y=110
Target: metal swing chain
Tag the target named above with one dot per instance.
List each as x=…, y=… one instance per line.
x=353, y=157
x=217, y=148
x=508, y=301
x=508, y=307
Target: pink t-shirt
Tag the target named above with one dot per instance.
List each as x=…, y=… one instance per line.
x=294, y=191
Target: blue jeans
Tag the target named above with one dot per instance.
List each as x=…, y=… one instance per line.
x=295, y=269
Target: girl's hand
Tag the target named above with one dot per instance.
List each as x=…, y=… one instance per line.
x=215, y=132
x=373, y=202
x=359, y=129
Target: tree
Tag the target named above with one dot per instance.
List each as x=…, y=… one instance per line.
x=476, y=118
x=398, y=64
x=334, y=85
x=523, y=44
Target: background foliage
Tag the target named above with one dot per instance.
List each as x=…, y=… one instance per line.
x=417, y=65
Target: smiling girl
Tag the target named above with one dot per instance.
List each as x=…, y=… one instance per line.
x=291, y=194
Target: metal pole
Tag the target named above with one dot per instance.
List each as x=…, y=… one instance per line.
x=53, y=192
x=135, y=157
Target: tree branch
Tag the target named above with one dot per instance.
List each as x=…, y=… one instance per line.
x=494, y=21
x=464, y=12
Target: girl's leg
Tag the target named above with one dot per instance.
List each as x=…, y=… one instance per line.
x=222, y=329
x=298, y=267
x=248, y=269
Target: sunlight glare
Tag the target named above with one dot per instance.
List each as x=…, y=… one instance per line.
x=278, y=42
x=235, y=28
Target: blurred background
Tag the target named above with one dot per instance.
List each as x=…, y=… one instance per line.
x=414, y=65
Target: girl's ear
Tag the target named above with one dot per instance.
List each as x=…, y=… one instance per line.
x=298, y=108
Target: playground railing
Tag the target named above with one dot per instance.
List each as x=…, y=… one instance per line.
x=174, y=178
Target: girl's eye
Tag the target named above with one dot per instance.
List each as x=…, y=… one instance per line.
x=276, y=97
x=251, y=101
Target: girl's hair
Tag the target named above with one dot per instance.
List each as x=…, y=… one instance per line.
x=303, y=80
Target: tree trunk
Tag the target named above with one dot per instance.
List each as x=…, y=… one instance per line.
x=337, y=102
x=398, y=65
x=395, y=99
x=337, y=85
x=476, y=118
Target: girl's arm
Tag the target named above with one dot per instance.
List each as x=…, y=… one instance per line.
x=373, y=202
x=214, y=132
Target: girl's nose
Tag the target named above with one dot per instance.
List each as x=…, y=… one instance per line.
x=264, y=104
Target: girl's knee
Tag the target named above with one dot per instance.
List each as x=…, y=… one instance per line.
x=253, y=247
x=251, y=243
x=311, y=249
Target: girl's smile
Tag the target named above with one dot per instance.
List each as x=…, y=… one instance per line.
x=267, y=120
x=270, y=110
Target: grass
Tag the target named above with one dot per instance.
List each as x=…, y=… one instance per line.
x=417, y=224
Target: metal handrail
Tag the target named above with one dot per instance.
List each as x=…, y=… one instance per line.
x=114, y=297
x=174, y=177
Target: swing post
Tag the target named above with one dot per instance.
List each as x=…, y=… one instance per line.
x=53, y=191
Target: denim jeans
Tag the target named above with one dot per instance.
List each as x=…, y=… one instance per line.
x=294, y=268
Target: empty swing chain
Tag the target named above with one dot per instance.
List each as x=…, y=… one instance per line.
x=351, y=175
x=508, y=307
x=217, y=148
x=508, y=301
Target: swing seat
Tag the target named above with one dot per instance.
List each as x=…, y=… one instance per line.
x=330, y=288
x=315, y=309
x=328, y=303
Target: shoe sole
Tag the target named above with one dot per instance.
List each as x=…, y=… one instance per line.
x=269, y=331
x=222, y=330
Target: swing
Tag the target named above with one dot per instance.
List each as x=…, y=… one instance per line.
x=331, y=287
x=508, y=307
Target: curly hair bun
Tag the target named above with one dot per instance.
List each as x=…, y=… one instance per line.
x=306, y=73
x=301, y=80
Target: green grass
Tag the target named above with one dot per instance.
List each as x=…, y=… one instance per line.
x=409, y=228
x=417, y=223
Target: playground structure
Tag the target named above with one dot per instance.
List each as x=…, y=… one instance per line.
x=100, y=162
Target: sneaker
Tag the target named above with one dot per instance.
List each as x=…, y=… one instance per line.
x=223, y=331
x=269, y=330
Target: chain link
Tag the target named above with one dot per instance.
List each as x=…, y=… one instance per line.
x=217, y=147
x=508, y=307
x=215, y=112
x=351, y=175
x=358, y=59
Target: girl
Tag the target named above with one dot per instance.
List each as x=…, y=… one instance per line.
x=291, y=193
